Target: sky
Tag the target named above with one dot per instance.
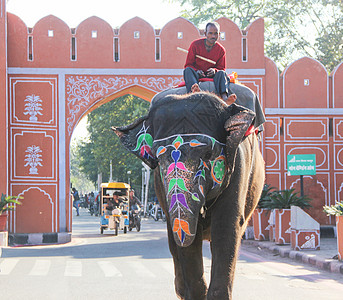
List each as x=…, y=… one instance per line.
x=115, y=12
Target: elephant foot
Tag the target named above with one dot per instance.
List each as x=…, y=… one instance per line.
x=219, y=293
x=216, y=295
x=198, y=292
x=195, y=88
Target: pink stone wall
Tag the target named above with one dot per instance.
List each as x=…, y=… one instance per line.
x=73, y=71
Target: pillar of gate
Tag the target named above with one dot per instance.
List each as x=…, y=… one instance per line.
x=3, y=98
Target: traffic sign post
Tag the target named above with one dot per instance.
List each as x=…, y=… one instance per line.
x=301, y=164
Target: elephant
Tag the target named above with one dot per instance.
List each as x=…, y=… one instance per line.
x=209, y=174
x=246, y=97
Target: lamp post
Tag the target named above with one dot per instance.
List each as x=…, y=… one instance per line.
x=128, y=175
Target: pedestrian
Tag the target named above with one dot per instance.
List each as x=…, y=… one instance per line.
x=197, y=68
x=97, y=204
x=133, y=200
x=76, y=200
x=91, y=200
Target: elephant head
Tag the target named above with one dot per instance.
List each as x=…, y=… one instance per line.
x=193, y=139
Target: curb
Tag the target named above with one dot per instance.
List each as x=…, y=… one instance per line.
x=330, y=265
x=26, y=239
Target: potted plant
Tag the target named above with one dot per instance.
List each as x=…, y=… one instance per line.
x=281, y=202
x=6, y=204
x=337, y=210
x=262, y=213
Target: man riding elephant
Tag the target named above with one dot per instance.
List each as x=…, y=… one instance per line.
x=209, y=174
x=207, y=59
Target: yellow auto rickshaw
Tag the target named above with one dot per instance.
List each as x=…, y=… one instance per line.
x=114, y=206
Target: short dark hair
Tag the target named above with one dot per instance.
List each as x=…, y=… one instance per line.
x=215, y=24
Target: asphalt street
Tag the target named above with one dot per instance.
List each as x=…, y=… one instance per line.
x=138, y=265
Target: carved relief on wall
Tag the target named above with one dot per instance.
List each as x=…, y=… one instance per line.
x=83, y=91
x=307, y=129
x=338, y=185
x=39, y=209
x=34, y=154
x=272, y=160
x=338, y=129
x=272, y=129
x=338, y=157
x=33, y=101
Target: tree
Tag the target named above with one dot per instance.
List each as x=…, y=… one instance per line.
x=103, y=146
x=293, y=28
x=78, y=179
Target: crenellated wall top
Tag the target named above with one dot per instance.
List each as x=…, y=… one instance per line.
x=135, y=44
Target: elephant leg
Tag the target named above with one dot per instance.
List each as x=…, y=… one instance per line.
x=225, y=242
x=178, y=281
x=193, y=269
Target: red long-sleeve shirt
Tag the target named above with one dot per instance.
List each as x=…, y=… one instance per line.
x=217, y=54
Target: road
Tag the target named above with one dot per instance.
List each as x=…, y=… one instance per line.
x=138, y=265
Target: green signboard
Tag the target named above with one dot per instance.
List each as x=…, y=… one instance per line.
x=301, y=164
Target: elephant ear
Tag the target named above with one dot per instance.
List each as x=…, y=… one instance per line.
x=137, y=138
x=236, y=126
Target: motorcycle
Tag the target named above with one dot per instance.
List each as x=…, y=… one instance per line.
x=157, y=213
x=93, y=209
x=135, y=219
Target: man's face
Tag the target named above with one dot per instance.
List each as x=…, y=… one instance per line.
x=211, y=34
x=131, y=193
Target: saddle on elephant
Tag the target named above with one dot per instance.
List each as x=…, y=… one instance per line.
x=245, y=97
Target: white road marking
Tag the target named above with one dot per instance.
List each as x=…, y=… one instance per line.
x=109, y=269
x=73, y=268
x=8, y=265
x=40, y=268
x=141, y=270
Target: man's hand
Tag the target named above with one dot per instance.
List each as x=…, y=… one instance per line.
x=210, y=72
x=201, y=73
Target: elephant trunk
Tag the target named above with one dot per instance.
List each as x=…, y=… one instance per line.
x=183, y=209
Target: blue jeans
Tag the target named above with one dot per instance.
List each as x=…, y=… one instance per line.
x=76, y=204
x=220, y=80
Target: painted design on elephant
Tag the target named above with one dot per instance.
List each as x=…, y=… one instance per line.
x=177, y=185
x=181, y=228
x=144, y=142
x=33, y=107
x=33, y=159
x=217, y=170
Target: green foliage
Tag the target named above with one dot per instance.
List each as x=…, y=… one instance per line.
x=284, y=199
x=94, y=156
x=266, y=195
x=6, y=201
x=334, y=210
x=79, y=179
x=292, y=28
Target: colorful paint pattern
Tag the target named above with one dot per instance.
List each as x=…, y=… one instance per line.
x=177, y=182
x=144, y=142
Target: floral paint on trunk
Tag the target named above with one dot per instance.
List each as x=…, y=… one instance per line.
x=185, y=176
